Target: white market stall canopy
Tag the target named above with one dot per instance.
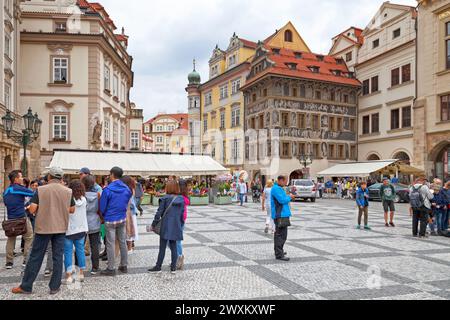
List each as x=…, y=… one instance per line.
x=365, y=169
x=137, y=163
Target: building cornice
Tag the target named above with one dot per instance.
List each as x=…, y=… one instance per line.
x=410, y=43
x=225, y=76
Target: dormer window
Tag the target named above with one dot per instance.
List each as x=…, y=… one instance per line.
x=314, y=69
x=337, y=73
x=351, y=75
x=292, y=66
x=276, y=51
x=298, y=55
x=288, y=36
x=60, y=26
x=339, y=61
x=320, y=57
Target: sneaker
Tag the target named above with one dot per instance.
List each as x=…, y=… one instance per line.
x=286, y=259
x=392, y=224
x=53, y=292
x=47, y=273
x=386, y=225
x=433, y=233
x=80, y=277
x=123, y=269
x=105, y=258
x=415, y=235
x=9, y=265
x=180, y=263
x=266, y=230
x=24, y=264
x=94, y=271
x=19, y=290
x=358, y=227
x=69, y=279
x=154, y=270
x=108, y=273
x=173, y=270
x=367, y=228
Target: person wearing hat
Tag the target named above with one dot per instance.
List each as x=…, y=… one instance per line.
x=55, y=203
x=87, y=172
x=387, y=193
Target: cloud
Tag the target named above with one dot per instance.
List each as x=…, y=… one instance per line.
x=165, y=35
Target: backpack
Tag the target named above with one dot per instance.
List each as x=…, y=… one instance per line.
x=416, y=198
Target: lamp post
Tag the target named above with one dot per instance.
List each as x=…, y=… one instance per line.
x=306, y=160
x=29, y=134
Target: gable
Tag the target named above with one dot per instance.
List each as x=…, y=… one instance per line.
x=386, y=13
x=278, y=39
x=341, y=43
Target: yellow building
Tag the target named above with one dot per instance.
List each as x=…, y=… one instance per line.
x=216, y=107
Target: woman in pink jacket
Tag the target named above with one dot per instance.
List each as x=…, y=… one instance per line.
x=184, y=190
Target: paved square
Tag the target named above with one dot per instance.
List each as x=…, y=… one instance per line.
x=228, y=256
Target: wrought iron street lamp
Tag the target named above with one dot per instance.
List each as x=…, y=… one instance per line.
x=29, y=134
x=305, y=159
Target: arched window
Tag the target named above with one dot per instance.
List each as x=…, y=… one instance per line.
x=373, y=157
x=288, y=36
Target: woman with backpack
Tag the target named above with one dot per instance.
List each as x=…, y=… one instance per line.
x=420, y=200
x=169, y=218
x=94, y=219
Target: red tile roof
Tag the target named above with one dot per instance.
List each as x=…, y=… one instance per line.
x=302, y=70
x=95, y=7
x=248, y=43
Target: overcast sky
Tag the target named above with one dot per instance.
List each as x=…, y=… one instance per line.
x=165, y=35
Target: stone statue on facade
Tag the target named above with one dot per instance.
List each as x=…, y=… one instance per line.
x=97, y=133
x=324, y=150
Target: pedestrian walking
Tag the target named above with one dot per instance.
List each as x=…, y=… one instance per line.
x=266, y=206
x=114, y=202
x=388, y=195
x=131, y=223
x=138, y=194
x=420, y=202
x=76, y=233
x=94, y=220
x=184, y=191
x=170, y=219
x=242, y=191
x=14, y=199
x=439, y=206
x=362, y=200
x=281, y=213
x=52, y=204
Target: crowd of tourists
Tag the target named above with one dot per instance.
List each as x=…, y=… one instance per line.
x=64, y=220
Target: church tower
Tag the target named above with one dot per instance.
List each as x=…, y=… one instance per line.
x=193, y=90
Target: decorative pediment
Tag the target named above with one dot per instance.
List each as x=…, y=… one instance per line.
x=59, y=105
x=217, y=53
x=235, y=43
x=60, y=48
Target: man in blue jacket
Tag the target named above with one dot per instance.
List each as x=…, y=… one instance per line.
x=362, y=200
x=113, y=206
x=281, y=212
x=14, y=199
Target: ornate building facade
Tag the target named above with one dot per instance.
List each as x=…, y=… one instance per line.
x=432, y=107
x=10, y=152
x=298, y=105
x=167, y=133
x=386, y=68
x=81, y=85
x=216, y=107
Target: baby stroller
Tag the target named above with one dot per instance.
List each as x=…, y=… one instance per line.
x=256, y=194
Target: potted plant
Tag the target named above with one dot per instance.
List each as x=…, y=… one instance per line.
x=199, y=196
x=223, y=196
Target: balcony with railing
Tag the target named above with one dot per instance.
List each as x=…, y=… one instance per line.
x=136, y=113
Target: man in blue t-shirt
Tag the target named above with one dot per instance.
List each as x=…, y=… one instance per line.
x=14, y=199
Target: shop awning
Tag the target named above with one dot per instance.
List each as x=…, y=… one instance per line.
x=365, y=169
x=137, y=163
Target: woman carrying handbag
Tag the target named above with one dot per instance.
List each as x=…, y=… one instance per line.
x=168, y=223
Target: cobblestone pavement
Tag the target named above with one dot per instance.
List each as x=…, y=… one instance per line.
x=228, y=256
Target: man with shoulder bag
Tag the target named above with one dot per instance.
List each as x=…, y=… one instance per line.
x=281, y=213
x=18, y=224
x=420, y=196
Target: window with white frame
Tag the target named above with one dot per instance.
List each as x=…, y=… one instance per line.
x=224, y=92
x=235, y=150
x=115, y=86
x=7, y=96
x=222, y=120
x=235, y=86
x=205, y=125
x=208, y=98
x=60, y=70
x=7, y=46
x=122, y=135
x=134, y=140
x=107, y=77
x=123, y=92
x=232, y=61
x=147, y=129
x=236, y=117
x=107, y=131
x=60, y=127
x=115, y=133
x=159, y=139
x=159, y=128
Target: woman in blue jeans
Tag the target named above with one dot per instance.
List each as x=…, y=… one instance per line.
x=76, y=233
x=170, y=214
